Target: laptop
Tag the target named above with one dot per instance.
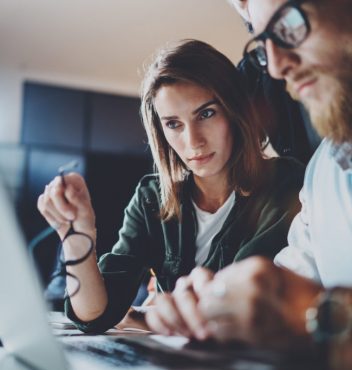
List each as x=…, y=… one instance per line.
x=25, y=334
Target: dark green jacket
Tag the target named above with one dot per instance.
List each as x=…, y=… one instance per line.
x=256, y=225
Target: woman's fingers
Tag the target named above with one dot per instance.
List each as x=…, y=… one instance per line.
x=186, y=301
x=63, y=203
x=178, y=312
x=200, y=277
x=165, y=317
x=156, y=323
x=49, y=201
x=47, y=209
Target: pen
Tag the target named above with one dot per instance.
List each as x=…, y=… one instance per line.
x=156, y=280
x=66, y=167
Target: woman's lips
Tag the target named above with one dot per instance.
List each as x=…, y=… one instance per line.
x=202, y=159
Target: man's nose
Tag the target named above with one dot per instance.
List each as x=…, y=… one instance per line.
x=280, y=61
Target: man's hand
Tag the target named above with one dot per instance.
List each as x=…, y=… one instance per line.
x=256, y=302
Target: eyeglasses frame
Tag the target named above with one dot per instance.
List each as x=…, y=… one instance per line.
x=268, y=34
x=71, y=231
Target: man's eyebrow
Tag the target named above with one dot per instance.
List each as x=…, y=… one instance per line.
x=210, y=102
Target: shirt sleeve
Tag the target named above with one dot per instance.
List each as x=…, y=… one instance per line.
x=298, y=255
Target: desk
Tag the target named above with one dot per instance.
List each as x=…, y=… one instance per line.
x=134, y=350
x=178, y=353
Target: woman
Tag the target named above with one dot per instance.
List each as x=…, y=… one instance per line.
x=213, y=199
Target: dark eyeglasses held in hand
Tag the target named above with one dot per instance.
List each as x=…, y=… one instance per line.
x=288, y=28
x=82, y=245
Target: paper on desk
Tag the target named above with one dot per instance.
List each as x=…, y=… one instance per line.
x=176, y=342
x=56, y=316
x=59, y=320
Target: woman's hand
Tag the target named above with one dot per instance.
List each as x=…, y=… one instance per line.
x=61, y=204
x=177, y=312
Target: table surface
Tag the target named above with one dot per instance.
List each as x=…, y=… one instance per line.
x=184, y=354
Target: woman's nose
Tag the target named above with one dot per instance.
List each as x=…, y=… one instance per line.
x=195, y=138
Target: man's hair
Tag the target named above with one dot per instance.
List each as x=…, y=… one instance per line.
x=196, y=62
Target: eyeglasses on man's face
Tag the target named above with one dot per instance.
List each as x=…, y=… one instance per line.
x=288, y=28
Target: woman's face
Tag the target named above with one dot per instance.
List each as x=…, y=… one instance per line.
x=196, y=127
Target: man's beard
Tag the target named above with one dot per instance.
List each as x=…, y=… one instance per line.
x=332, y=119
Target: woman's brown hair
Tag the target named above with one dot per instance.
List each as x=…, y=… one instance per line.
x=199, y=63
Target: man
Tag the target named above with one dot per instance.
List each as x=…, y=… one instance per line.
x=309, y=44
x=285, y=121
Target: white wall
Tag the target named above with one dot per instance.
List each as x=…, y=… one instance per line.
x=10, y=105
x=11, y=89
x=98, y=44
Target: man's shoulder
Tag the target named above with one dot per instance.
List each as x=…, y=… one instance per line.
x=321, y=157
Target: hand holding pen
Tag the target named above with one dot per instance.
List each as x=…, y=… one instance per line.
x=177, y=312
x=157, y=287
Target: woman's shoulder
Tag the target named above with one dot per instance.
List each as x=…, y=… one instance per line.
x=288, y=165
x=150, y=180
x=149, y=186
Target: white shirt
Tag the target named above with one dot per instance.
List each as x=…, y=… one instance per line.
x=209, y=224
x=320, y=237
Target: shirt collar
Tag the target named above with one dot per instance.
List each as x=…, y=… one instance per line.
x=342, y=153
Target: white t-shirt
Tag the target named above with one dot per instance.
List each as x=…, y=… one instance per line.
x=209, y=224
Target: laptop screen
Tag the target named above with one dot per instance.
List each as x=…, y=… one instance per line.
x=24, y=329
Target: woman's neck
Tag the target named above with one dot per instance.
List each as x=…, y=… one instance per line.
x=211, y=193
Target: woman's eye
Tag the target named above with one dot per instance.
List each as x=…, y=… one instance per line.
x=207, y=113
x=172, y=124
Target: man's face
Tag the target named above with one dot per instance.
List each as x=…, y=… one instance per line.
x=319, y=71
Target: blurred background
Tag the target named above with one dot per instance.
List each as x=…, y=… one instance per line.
x=69, y=82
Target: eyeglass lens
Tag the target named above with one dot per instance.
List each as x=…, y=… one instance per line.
x=288, y=30
x=81, y=247
x=72, y=285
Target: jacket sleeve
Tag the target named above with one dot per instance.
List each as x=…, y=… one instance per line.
x=122, y=269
